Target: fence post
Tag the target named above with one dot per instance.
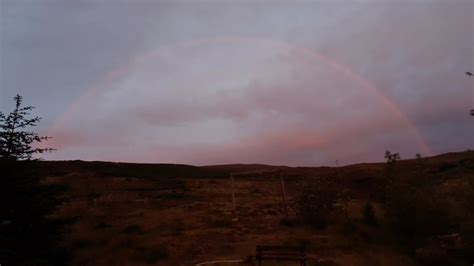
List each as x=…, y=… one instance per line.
x=283, y=193
x=234, y=210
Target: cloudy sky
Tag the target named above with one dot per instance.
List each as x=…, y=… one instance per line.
x=214, y=82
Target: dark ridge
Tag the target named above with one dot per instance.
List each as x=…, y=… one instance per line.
x=137, y=170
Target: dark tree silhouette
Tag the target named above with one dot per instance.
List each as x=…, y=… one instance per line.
x=391, y=157
x=15, y=142
x=27, y=235
x=472, y=110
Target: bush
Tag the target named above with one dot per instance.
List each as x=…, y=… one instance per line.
x=27, y=236
x=467, y=226
x=133, y=229
x=347, y=228
x=317, y=201
x=369, y=215
x=416, y=213
x=152, y=255
x=287, y=222
x=102, y=225
x=156, y=254
x=222, y=222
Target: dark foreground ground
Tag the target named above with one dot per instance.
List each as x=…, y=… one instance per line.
x=411, y=212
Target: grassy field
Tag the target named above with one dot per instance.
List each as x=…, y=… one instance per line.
x=142, y=214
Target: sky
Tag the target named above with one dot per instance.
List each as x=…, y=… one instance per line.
x=300, y=83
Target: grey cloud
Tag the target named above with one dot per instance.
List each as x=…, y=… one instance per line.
x=236, y=102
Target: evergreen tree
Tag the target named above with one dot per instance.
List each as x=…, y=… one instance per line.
x=15, y=142
x=27, y=235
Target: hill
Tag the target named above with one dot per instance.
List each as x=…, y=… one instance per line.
x=414, y=212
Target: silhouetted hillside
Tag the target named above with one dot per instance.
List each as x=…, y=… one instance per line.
x=409, y=212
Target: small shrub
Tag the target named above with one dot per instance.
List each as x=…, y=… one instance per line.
x=255, y=190
x=369, y=215
x=348, y=228
x=317, y=201
x=446, y=167
x=81, y=243
x=222, y=222
x=327, y=263
x=102, y=225
x=366, y=237
x=287, y=222
x=133, y=229
x=156, y=254
x=432, y=257
x=175, y=227
x=419, y=160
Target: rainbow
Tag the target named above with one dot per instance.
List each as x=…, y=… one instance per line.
x=310, y=54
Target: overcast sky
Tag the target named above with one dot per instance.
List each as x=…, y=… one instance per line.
x=214, y=82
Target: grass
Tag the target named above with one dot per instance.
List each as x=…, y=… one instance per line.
x=102, y=225
x=156, y=254
x=133, y=229
x=171, y=214
x=222, y=222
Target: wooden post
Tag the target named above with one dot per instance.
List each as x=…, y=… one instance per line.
x=283, y=193
x=233, y=198
x=338, y=169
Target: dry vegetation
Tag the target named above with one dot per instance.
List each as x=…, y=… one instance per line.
x=125, y=214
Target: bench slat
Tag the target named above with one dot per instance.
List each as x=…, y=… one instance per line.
x=296, y=255
x=283, y=258
x=283, y=248
x=282, y=253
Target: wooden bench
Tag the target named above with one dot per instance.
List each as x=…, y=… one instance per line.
x=281, y=253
